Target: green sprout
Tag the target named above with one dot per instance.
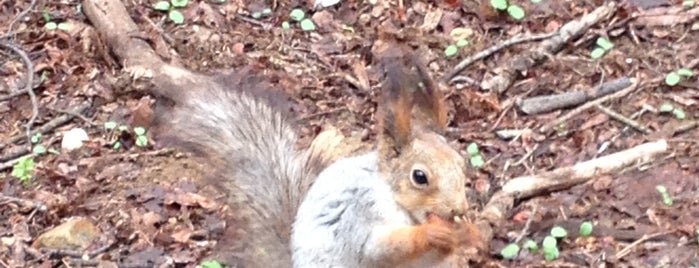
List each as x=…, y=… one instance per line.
x=476, y=157
x=172, y=8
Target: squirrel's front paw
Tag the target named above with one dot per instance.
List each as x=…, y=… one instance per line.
x=440, y=234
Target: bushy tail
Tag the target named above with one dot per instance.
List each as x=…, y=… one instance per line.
x=253, y=145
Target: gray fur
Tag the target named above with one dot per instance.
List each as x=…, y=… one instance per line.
x=346, y=210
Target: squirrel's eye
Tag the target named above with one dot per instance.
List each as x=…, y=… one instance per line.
x=419, y=177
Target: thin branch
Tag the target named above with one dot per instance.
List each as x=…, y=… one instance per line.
x=28, y=87
x=10, y=33
x=621, y=118
x=495, y=48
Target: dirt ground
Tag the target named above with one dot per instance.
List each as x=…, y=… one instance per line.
x=151, y=210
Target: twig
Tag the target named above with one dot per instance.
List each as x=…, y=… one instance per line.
x=22, y=201
x=527, y=224
x=51, y=124
x=493, y=49
x=76, y=114
x=548, y=103
x=16, y=18
x=561, y=178
x=14, y=161
x=28, y=87
x=501, y=78
x=645, y=238
x=581, y=108
x=12, y=95
x=632, y=123
x=466, y=79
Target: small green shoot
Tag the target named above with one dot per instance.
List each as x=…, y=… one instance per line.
x=586, y=229
x=307, y=25
x=536, y=1
x=603, y=46
x=171, y=8
x=559, y=232
x=688, y=3
x=514, y=11
x=51, y=26
x=550, y=248
x=39, y=149
x=476, y=157
x=531, y=246
x=462, y=43
x=211, y=264
x=36, y=138
x=451, y=50
x=24, y=169
x=141, y=138
x=667, y=199
x=297, y=14
x=510, y=251
x=677, y=112
x=499, y=4
x=110, y=125
x=674, y=78
x=286, y=26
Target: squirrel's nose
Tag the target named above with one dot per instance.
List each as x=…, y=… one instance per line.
x=459, y=209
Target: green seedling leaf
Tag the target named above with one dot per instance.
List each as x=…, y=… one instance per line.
x=307, y=25
x=536, y=1
x=117, y=145
x=531, y=246
x=551, y=254
x=559, y=232
x=141, y=141
x=666, y=108
x=499, y=4
x=516, y=12
x=176, y=16
x=36, y=138
x=477, y=161
x=110, y=125
x=679, y=113
x=162, y=6
x=51, y=26
x=451, y=50
x=39, y=149
x=179, y=3
x=257, y=15
x=46, y=15
x=688, y=3
x=45, y=76
x=472, y=149
x=462, y=43
x=123, y=128
x=667, y=199
x=65, y=26
x=597, y=53
x=211, y=264
x=297, y=14
x=510, y=251
x=23, y=169
x=586, y=229
x=286, y=25
x=672, y=79
x=140, y=131
x=685, y=72
x=549, y=242
x=267, y=11
x=604, y=43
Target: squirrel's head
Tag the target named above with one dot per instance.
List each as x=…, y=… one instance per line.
x=427, y=175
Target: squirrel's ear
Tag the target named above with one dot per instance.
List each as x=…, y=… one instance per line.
x=430, y=110
x=394, y=116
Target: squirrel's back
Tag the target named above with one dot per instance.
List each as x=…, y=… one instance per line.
x=237, y=126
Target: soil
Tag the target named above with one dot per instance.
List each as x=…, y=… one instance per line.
x=153, y=209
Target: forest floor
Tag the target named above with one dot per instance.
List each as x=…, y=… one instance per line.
x=142, y=206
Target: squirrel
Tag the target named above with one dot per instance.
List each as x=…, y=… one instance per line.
x=391, y=207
